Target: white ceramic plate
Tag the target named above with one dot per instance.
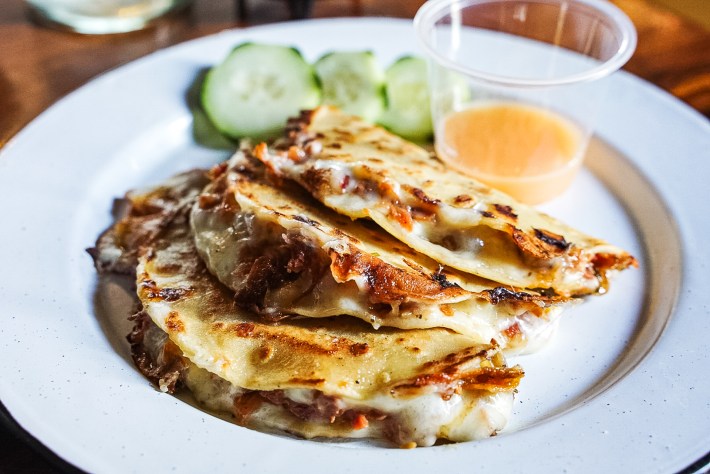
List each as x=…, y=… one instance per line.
x=623, y=387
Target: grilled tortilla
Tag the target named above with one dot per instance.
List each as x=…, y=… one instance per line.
x=332, y=377
x=283, y=253
x=362, y=171
x=140, y=218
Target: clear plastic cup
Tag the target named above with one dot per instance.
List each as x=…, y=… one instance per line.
x=516, y=86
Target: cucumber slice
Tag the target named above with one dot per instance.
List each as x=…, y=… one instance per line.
x=257, y=88
x=204, y=131
x=408, y=104
x=352, y=81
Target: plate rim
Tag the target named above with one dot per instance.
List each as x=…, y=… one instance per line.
x=663, y=96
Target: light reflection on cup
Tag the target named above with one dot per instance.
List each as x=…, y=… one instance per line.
x=516, y=86
x=102, y=16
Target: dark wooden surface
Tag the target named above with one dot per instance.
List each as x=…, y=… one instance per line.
x=39, y=65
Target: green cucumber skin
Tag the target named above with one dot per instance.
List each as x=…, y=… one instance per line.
x=408, y=110
x=204, y=132
x=279, y=84
x=396, y=98
x=352, y=81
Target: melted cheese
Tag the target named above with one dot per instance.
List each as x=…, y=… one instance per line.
x=340, y=356
x=494, y=236
x=228, y=352
x=421, y=419
x=267, y=216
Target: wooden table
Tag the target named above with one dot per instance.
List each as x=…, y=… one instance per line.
x=40, y=65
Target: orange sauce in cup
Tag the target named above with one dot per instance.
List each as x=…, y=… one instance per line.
x=524, y=151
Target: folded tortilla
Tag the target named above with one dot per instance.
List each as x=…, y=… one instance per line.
x=363, y=171
x=330, y=377
x=285, y=254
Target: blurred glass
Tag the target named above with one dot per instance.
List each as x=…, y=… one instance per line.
x=102, y=16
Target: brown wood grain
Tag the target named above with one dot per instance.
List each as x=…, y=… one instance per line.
x=39, y=65
x=672, y=53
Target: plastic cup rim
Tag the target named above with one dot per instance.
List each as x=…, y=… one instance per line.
x=432, y=11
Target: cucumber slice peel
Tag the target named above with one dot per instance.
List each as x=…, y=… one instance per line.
x=352, y=81
x=204, y=131
x=408, y=101
x=257, y=88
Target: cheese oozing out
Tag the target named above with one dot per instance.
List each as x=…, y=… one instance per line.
x=421, y=419
x=331, y=266
x=363, y=171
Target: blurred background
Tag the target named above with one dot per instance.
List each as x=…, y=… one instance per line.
x=697, y=10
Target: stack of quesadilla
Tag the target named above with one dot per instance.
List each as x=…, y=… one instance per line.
x=342, y=283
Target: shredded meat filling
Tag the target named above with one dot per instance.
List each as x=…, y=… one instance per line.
x=323, y=408
x=274, y=267
x=165, y=367
x=140, y=219
x=388, y=284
